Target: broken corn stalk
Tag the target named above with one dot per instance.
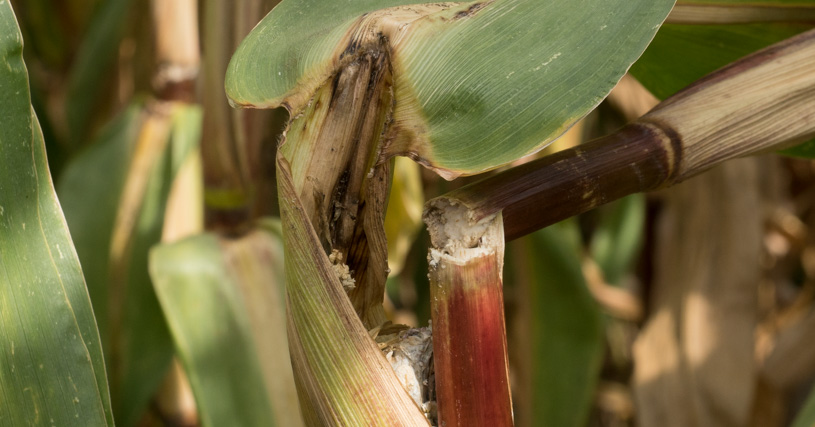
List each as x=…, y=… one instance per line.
x=774, y=109
x=469, y=330
x=367, y=80
x=671, y=143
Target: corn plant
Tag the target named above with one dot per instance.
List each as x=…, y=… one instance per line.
x=169, y=275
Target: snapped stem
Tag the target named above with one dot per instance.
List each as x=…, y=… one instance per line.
x=762, y=102
x=467, y=308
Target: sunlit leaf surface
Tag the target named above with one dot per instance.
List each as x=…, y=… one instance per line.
x=477, y=84
x=224, y=302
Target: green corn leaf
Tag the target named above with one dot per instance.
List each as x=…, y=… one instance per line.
x=224, y=302
x=616, y=242
x=682, y=54
x=127, y=175
x=91, y=224
x=96, y=55
x=52, y=371
x=562, y=327
x=477, y=84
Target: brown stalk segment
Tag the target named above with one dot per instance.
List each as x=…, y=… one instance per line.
x=226, y=197
x=765, y=101
x=238, y=160
x=469, y=342
x=717, y=14
x=570, y=181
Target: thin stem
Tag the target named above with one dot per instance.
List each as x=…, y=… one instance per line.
x=734, y=13
x=226, y=195
x=545, y=191
x=237, y=153
x=177, y=49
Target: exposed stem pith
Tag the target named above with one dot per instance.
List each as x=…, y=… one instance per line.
x=469, y=330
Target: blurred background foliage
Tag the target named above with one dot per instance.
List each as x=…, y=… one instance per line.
x=688, y=306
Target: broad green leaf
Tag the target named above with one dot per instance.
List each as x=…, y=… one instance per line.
x=616, y=241
x=682, y=54
x=224, y=302
x=477, y=84
x=115, y=195
x=96, y=55
x=562, y=329
x=91, y=224
x=51, y=366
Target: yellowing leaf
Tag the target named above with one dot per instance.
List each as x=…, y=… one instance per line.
x=223, y=299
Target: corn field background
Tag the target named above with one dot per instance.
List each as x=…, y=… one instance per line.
x=685, y=306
